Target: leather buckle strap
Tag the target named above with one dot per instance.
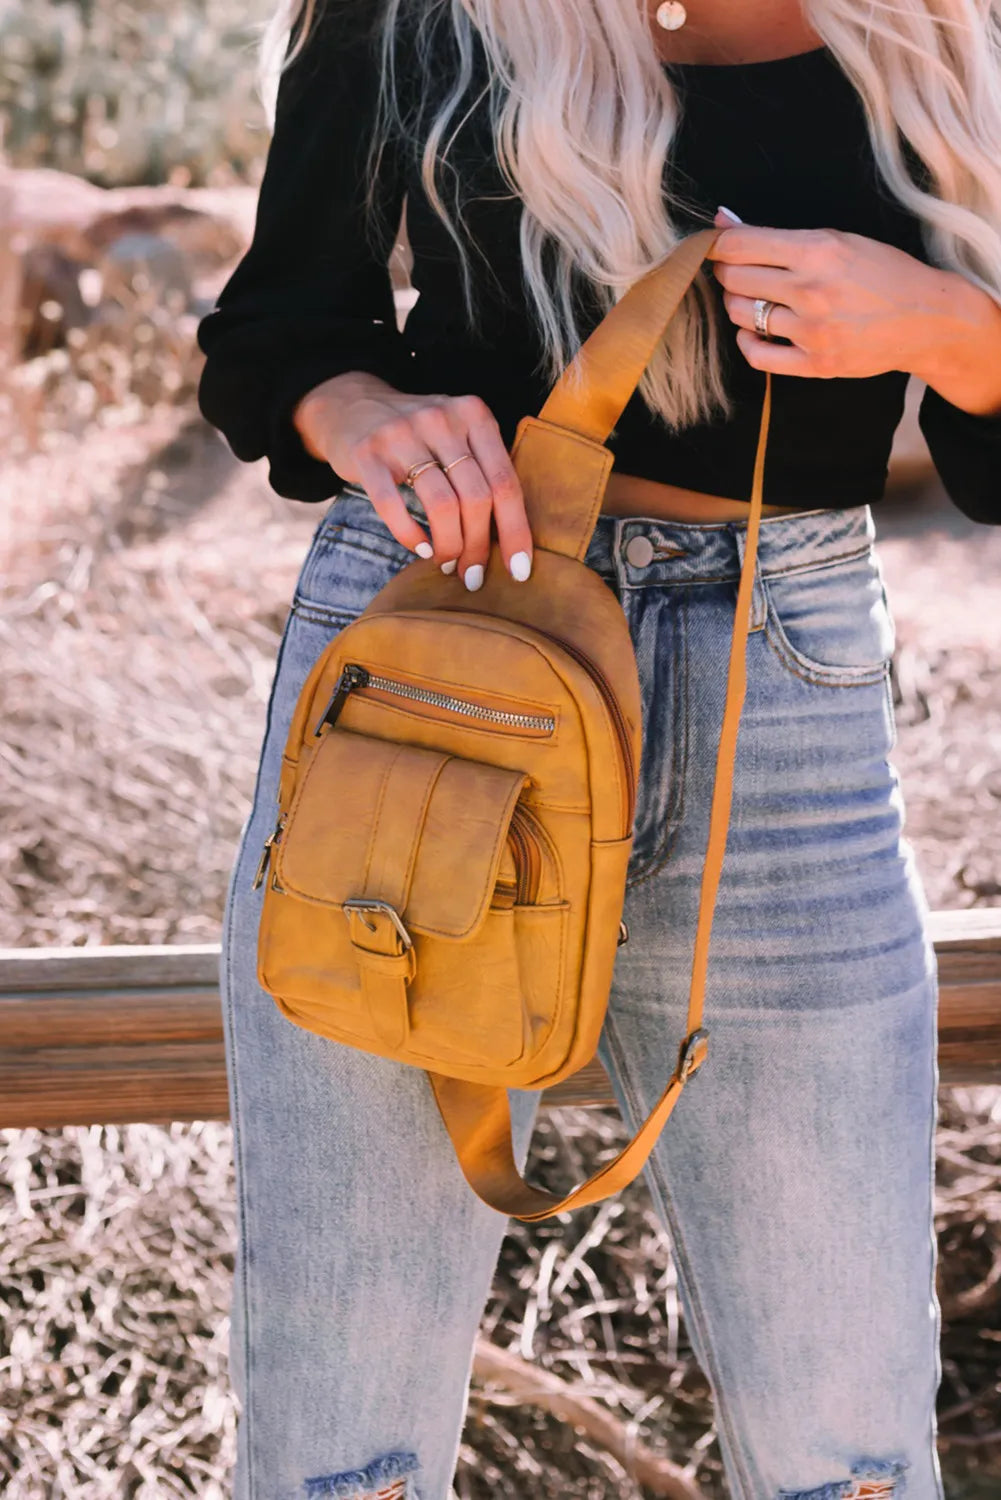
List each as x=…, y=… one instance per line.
x=387, y=964
x=362, y=904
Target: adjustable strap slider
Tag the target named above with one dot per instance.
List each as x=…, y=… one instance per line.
x=692, y=1053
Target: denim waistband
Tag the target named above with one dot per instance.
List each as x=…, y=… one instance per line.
x=684, y=551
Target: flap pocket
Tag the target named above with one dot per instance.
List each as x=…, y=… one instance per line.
x=418, y=828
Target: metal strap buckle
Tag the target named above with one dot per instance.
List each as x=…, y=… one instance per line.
x=686, y=1054
x=366, y=903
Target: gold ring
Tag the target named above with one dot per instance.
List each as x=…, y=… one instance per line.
x=418, y=468
x=445, y=467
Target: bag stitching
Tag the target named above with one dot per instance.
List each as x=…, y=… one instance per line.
x=429, y=788
x=377, y=814
x=601, y=479
x=501, y=834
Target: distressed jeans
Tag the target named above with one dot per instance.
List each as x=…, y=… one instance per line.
x=795, y=1175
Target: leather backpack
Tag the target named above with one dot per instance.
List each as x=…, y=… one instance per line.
x=446, y=878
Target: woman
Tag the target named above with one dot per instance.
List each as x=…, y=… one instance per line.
x=550, y=152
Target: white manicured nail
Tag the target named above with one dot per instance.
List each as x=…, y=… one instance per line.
x=473, y=576
x=424, y=549
x=450, y=566
x=521, y=566
x=730, y=214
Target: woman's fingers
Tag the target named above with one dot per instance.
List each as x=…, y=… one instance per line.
x=759, y=281
x=376, y=479
x=514, y=534
x=443, y=428
x=475, y=501
x=783, y=323
x=463, y=432
x=441, y=507
x=401, y=447
x=481, y=481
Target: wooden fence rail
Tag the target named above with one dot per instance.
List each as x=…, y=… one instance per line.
x=115, y=1035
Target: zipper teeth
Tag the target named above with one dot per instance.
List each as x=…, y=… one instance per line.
x=524, y=838
x=460, y=705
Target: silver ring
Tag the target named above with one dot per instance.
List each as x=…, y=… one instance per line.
x=763, y=310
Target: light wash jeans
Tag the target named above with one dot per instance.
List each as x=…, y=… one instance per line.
x=795, y=1175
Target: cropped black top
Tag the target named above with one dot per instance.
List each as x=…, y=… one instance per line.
x=782, y=143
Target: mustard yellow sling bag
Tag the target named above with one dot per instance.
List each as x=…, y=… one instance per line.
x=446, y=878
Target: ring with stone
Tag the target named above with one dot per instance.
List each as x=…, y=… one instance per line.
x=763, y=310
x=418, y=468
x=445, y=467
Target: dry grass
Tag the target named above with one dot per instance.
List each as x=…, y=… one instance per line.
x=114, y=1274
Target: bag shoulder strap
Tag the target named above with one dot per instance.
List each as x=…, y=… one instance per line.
x=591, y=393
x=478, y=1116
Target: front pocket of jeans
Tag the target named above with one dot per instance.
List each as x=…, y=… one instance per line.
x=831, y=623
x=353, y=556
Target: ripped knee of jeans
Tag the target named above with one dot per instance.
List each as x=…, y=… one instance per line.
x=872, y=1479
x=391, y=1476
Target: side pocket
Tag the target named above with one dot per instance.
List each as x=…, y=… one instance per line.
x=540, y=934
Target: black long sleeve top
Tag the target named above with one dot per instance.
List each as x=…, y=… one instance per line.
x=783, y=143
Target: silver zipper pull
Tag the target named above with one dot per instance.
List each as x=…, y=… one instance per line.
x=269, y=844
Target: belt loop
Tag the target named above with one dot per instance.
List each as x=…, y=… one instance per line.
x=618, y=553
x=759, y=604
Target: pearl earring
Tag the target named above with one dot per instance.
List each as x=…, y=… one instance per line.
x=671, y=15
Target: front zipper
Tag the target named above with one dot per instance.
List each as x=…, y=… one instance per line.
x=526, y=847
x=354, y=675
x=269, y=844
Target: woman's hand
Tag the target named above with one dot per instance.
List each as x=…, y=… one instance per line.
x=372, y=434
x=853, y=306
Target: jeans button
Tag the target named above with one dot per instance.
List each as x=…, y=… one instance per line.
x=639, y=550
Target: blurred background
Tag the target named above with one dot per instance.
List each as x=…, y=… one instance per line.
x=145, y=581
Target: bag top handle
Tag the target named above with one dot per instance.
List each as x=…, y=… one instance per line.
x=611, y=361
x=560, y=455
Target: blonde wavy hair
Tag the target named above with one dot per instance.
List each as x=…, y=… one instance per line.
x=583, y=113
